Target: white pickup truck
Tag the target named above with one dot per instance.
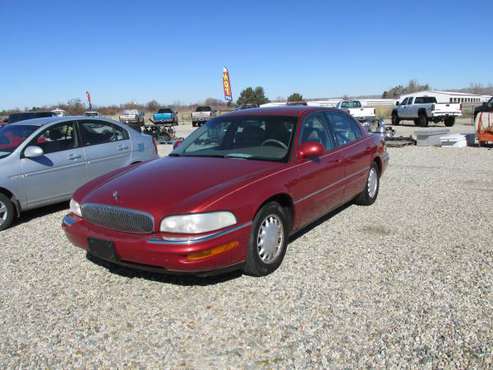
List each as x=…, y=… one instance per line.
x=423, y=109
x=356, y=109
x=202, y=114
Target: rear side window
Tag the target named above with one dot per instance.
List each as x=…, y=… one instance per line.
x=343, y=127
x=57, y=138
x=425, y=100
x=100, y=132
x=315, y=128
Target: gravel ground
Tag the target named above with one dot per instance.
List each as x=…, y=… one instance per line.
x=406, y=282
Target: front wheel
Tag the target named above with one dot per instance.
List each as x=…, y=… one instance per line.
x=268, y=241
x=395, y=119
x=369, y=194
x=7, y=212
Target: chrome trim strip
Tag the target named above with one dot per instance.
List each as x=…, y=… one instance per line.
x=69, y=221
x=330, y=186
x=196, y=239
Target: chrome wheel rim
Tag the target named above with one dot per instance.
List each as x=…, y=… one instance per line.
x=3, y=213
x=372, y=182
x=270, y=238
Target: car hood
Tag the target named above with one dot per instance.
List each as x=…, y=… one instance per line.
x=176, y=185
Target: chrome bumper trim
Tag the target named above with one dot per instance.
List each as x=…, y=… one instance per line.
x=196, y=239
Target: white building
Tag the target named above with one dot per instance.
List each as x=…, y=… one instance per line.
x=451, y=97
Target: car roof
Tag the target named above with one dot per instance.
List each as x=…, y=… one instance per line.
x=49, y=120
x=288, y=110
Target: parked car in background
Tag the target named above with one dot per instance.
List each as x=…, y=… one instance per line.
x=132, y=117
x=202, y=114
x=43, y=161
x=165, y=116
x=231, y=194
x=92, y=113
x=356, y=109
x=4, y=120
x=423, y=109
x=17, y=117
x=485, y=107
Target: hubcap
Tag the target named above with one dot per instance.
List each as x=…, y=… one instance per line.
x=3, y=213
x=270, y=238
x=372, y=182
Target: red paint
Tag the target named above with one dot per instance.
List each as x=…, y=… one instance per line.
x=316, y=181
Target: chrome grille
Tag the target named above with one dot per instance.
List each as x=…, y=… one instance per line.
x=116, y=218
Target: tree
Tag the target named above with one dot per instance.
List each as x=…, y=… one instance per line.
x=412, y=87
x=251, y=96
x=152, y=106
x=295, y=97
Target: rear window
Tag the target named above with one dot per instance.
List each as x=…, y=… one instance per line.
x=203, y=109
x=351, y=104
x=165, y=110
x=425, y=100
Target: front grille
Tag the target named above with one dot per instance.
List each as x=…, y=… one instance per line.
x=116, y=218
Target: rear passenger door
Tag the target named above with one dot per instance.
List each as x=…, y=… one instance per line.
x=319, y=188
x=106, y=146
x=54, y=176
x=356, y=148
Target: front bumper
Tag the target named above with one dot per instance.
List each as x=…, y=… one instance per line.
x=152, y=252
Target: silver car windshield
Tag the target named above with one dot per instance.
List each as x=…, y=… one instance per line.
x=11, y=136
x=248, y=137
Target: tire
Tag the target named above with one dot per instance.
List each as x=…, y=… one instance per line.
x=422, y=119
x=265, y=254
x=449, y=121
x=370, y=193
x=7, y=212
x=395, y=119
x=194, y=124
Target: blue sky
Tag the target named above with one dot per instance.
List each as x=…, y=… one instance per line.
x=53, y=51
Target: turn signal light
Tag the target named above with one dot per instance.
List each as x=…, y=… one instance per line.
x=212, y=252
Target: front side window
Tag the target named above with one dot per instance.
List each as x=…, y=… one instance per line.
x=12, y=136
x=344, y=128
x=245, y=137
x=99, y=132
x=404, y=102
x=315, y=128
x=56, y=138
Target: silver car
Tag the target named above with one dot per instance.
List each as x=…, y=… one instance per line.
x=43, y=161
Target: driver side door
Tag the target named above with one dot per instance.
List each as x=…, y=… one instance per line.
x=54, y=176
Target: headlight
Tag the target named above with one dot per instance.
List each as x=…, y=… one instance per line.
x=197, y=223
x=75, y=208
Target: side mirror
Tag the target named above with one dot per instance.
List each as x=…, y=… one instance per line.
x=396, y=103
x=310, y=150
x=33, y=151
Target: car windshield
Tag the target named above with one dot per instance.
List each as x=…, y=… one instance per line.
x=130, y=112
x=203, y=109
x=351, y=104
x=11, y=136
x=247, y=137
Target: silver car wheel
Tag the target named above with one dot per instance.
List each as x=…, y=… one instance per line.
x=3, y=213
x=270, y=239
x=372, y=182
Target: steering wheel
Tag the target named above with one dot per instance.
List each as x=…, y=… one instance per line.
x=280, y=143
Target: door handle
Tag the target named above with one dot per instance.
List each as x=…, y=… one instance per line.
x=122, y=147
x=74, y=156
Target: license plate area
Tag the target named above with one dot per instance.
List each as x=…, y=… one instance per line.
x=103, y=249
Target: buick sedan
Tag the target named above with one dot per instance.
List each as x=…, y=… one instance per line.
x=44, y=160
x=231, y=194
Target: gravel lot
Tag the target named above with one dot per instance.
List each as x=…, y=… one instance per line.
x=406, y=282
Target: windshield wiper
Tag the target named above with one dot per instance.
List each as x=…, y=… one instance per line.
x=174, y=155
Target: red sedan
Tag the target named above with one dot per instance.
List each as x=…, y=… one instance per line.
x=231, y=194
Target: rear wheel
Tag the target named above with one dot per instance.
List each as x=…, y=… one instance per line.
x=449, y=121
x=268, y=241
x=7, y=212
x=422, y=119
x=395, y=119
x=369, y=194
